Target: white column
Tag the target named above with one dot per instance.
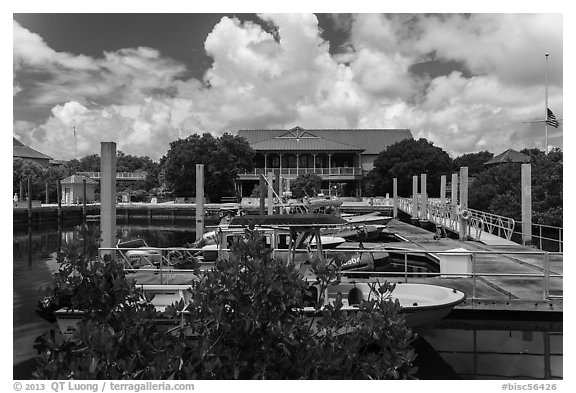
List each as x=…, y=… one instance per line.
x=442, y=191
x=395, y=196
x=297, y=163
x=414, y=197
x=454, y=195
x=199, y=201
x=463, y=200
x=108, y=194
x=424, y=197
x=314, y=155
x=526, y=204
x=270, y=193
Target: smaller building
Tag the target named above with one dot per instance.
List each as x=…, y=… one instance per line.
x=508, y=157
x=73, y=189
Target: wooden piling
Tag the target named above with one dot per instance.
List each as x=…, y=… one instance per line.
x=395, y=196
x=463, y=201
x=277, y=184
x=262, y=195
x=108, y=195
x=199, y=201
x=59, y=197
x=414, y=197
x=454, y=196
x=21, y=196
x=526, y=204
x=29, y=199
x=423, y=198
x=84, y=199
x=443, y=191
x=270, y=193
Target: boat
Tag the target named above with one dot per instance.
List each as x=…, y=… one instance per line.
x=227, y=212
x=357, y=232
x=421, y=304
x=289, y=236
x=136, y=253
x=373, y=218
x=161, y=297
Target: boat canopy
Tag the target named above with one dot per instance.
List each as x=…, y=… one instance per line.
x=307, y=220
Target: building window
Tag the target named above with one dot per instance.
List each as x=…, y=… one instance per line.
x=274, y=161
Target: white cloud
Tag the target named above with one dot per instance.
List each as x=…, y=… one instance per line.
x=287, y=77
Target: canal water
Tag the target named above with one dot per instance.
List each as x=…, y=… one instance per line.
x=457, y=348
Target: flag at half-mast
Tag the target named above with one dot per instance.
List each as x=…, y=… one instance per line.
x=551, y=120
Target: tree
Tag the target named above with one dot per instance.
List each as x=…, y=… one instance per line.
x=307, y=184
x=22, y=170
x=474, y=162
x=90, y=163
x=497, y=190
x=405, y=159
x=124, y=163
x=244, y=321
x=223, y=159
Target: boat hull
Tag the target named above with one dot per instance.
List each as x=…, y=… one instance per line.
x=421, y=304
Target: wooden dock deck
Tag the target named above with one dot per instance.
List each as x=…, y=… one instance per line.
x=493, y=292
x=509, y=276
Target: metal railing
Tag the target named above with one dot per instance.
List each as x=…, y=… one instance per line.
x=166, y=266
x=494, y=224
x=119, y=175
x=544, y=237
x=334, y=171
x=447, y=215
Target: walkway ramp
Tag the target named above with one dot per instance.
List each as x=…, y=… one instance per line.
x=493, y=240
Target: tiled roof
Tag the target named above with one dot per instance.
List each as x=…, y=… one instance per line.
x=283, y=144
x=20, y=150
x=508, y=156
x=77, y=179
x=372, y=141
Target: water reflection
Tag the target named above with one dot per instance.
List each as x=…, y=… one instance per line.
x=463, y=348
x=480, y=350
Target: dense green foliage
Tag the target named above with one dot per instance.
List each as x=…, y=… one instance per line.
x=124, y=163
x=22, y=170
x=498, y=188
x=223, y=159
x=474, y=162
x=405, y=159
x=308, y=184
x=243, y=323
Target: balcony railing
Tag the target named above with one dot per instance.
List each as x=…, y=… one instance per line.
x=119, y=175
x=334, y=171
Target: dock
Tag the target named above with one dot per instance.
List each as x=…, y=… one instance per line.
x=507, y=277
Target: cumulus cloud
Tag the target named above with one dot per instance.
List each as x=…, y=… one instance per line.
x=285, y=75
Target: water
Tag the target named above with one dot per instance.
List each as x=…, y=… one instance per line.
x=455, y=349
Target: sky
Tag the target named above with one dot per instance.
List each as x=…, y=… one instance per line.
x=466, y=82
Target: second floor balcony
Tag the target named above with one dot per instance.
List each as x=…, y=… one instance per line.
x=334, y=173
x=129, y=176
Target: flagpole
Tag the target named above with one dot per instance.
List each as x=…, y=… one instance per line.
x=546, y=108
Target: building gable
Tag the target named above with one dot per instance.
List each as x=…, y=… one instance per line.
x=369, y=141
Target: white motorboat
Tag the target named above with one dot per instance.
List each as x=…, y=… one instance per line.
x=421, y=304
